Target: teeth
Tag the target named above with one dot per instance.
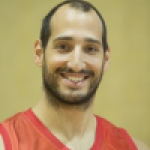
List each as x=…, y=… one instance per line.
x=75, y=79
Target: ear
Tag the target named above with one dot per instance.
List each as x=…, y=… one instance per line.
x=38, y=52
x=106, y=59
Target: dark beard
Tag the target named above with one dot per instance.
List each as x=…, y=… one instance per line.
x=58, y=99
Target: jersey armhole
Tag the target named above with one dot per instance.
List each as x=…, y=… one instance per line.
x=5, y=137
x=129, y=139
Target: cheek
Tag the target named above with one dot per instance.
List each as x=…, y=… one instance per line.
x=54, y=61
x=96, y=65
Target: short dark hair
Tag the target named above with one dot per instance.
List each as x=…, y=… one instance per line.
x=78, y=4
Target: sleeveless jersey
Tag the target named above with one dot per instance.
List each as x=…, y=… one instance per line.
x=25, y=131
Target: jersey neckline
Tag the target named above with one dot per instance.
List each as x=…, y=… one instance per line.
x=48, y=134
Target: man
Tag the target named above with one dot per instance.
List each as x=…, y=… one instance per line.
x=73, y=53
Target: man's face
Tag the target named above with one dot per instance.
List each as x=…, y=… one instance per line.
x=74, y=57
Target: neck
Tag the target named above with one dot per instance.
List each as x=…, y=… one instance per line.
x=65, y=123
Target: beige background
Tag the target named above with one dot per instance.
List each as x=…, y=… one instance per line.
x=123, y=97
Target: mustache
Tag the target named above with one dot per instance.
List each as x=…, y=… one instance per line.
x=69, y=70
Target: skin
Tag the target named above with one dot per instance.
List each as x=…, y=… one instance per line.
x=75, y=46
x=73, y=125
x=1, y=143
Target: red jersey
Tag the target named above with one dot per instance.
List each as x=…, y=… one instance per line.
x=25, y=131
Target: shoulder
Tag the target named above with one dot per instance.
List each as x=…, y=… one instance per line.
x=1, y=143
x=9, y=124
x=140, y=145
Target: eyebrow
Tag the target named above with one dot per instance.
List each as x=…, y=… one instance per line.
x=92, y=40
x=87, y=39
x=63, y=38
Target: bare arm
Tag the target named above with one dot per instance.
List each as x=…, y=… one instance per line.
x=140, y=145
x=1, y=143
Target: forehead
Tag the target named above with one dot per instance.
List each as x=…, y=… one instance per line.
x=71, y=20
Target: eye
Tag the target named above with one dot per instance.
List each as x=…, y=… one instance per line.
x=92, y=49
x=62, y=47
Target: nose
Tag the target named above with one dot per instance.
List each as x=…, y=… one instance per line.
x=76, y=60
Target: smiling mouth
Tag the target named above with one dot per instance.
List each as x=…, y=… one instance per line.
x=72, y=77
